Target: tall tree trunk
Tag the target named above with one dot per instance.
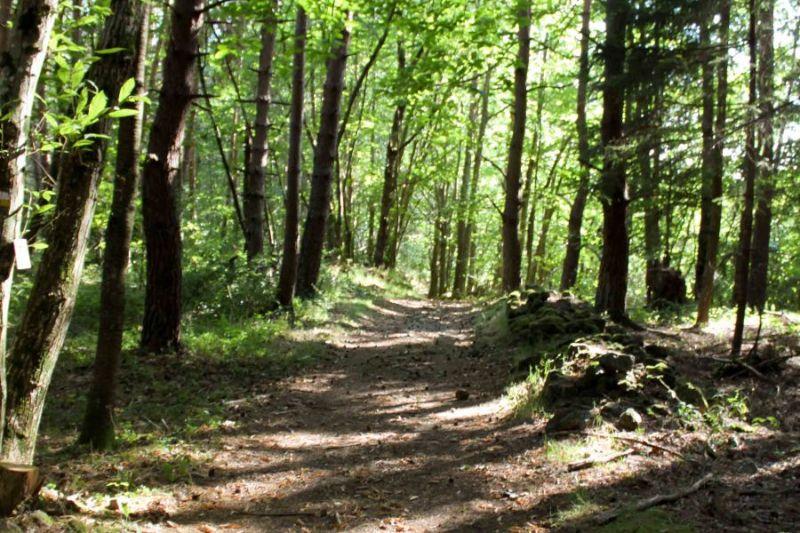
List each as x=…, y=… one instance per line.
x=161, y=327
x=288, y=274
x=512, y=254
x=475, y=180
x=749, y=171
x=529, y=190
x=759, y=256
x=569, y=271
x=393, y=151
x=98, y=422
x=325, y=154
x=254, y=205
x=21, y=64
x=705, y=295
x=44, y=323
x=612, y=283
x=536, y=271
x=462, y=246
x=5, y=17
x=707, y=130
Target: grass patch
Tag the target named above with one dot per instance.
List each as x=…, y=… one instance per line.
x=524, y=399
x=579, y=509
x=648, y=521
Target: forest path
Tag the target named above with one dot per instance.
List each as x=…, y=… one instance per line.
x=382, y=436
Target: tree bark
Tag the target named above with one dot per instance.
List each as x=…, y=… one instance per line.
x=161, y=328
x=44, y=323
x=705, y=295
x=462, y=246
x=475, y=180
x=512, y=254
x=612, y=283
x=393, y=151
x=569, y=271
x=749, y=171
x=325, y=154
x=288, y=274
x=254, y=205
x=707, y=130
x=759, y=256
x=98, y=422
x=21, y=63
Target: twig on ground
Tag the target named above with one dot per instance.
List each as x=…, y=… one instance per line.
x=594, y=461
x=643, y=443
x=659, y=499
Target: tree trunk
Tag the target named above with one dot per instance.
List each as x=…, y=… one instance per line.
x=254, y=205
x=759, y=256
x=44, y=323
x=462, y=246
x=705, y=295
x=325, y=154
x=569, y=271
x=20, y=67
x=512, y=254
x=98, y=423
x=612, y=283
x=749, y=170
x=288, y=274
x=475, y=180
x=5, y=17
x=393, y=151
x=161, y=327
x=707, y=130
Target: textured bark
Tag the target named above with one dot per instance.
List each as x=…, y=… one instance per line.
x=161, y=328
x=612, y=283
x=705, y=295
x=288, y=274
x=20, y=66
x=393, y=151
x=706, y=170
x=749, y=171
x=98, y=423
x=759, y=256
x=569, y=271
x=475, y=180
x=254, y=205
x=5, y=17
x=462, y=246
x=44, y=323
x=325, y=155
x=512, y=253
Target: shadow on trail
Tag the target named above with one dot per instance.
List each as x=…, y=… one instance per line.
x=373, y=436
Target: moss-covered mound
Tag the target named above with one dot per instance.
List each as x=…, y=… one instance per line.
x=595, y=368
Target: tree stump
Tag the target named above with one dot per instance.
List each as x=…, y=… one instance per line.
x=18, y=482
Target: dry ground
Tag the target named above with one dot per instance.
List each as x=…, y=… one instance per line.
x=403, y=427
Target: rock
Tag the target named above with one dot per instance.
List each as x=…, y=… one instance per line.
x=462, y=395
x=41, y=518
x=611, y=410
x=616, y=363
x=629, y=420
x=570, y=419
x=558, y=387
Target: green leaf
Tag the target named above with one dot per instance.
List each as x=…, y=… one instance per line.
x=109, y=51
x=98, y=104
x=126, y=90
x=123, y=113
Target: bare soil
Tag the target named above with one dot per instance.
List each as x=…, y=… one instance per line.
x=402, y=426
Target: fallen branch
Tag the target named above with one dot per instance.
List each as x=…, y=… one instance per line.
x=659, y=499
x=643, y=443
x=594, y=461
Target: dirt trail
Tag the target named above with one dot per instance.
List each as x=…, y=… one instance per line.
x=380, y=437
